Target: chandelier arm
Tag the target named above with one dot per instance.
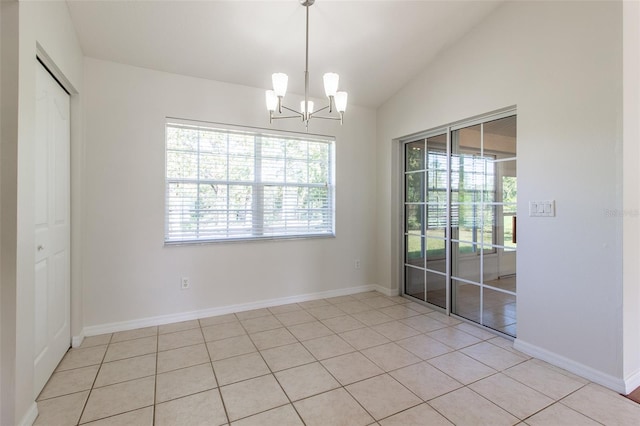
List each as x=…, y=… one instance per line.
x=300, y=114
x=327, y=118
x=313, y=114
x=280, y=117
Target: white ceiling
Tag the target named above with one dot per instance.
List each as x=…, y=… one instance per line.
x=375, y=46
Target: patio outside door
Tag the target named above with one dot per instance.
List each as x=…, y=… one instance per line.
x=460, y=229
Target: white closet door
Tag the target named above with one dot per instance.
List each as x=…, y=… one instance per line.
x=52, y=227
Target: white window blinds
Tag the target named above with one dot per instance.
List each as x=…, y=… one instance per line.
x=227, y=183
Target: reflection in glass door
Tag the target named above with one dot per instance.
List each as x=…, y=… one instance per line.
x=460, y=221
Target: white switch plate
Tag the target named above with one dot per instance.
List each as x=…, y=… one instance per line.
x=542, y=208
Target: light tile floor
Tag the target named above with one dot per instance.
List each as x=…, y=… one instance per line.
x=354, y=360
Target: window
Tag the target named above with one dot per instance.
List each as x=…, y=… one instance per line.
x=231, y=183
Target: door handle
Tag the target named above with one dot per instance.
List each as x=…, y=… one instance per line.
x=40, y=247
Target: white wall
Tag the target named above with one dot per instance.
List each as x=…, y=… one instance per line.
x=130, y=275
x=30, y=24
x=631, y=185
x=1, y=330
x=8, y=178
x=561, y=64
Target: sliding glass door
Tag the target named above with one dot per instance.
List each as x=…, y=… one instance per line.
x=460, y=220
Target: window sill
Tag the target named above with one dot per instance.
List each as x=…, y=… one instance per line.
x=247, y=240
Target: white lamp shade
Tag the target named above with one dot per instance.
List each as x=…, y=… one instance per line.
x=309, y=107
x=272, y=100
x=280, y=81
x=341, y=101
x=331, y=83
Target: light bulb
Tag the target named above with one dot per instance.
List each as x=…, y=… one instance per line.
x=341, y=101
x=309, y=107
x=331, y=83
x=272, y=100
x=280, y=81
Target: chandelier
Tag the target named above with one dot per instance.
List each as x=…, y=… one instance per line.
x=337, y=100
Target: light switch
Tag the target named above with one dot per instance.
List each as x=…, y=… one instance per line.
x=542, y=208
x=552, y=208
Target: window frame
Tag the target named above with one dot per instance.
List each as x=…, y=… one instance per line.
x=258, y=208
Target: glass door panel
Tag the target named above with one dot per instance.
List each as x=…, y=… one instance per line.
x=500, y=137
x=414, y=156
x=500, y=142
x=414, y=218
x=437, y=220
x=465, y=261
x=437, y=255
x=436, y=197
x=465, y=300
x=414, y=187
x=414, y=251
x=489, y=213
x=499, y=310
x=467, y=189
x=425, y=212
x=414, y=282
x=437, y=289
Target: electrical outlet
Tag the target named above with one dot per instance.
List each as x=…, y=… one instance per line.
x=356, y=264
x=185, y=283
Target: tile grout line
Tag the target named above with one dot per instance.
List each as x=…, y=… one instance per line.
x=318, y=361
x=335, y=378
x=571, y=408
x=275, y=377
x=558, y=401
x=502, y=408
x=86, y=402
x=421, y=360
x=155, y=377
x=215, y=376
x=378, y=375
x=344, y=387
x=539, y=391
x=273, y=374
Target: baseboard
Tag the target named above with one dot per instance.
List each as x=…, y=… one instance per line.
x=30, y=416
x=632, y=382
x=186, y=316
x=387, y=291
x=614, y=383
x=77, y=340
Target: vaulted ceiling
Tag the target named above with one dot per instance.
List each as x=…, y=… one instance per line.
x=375, y=46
